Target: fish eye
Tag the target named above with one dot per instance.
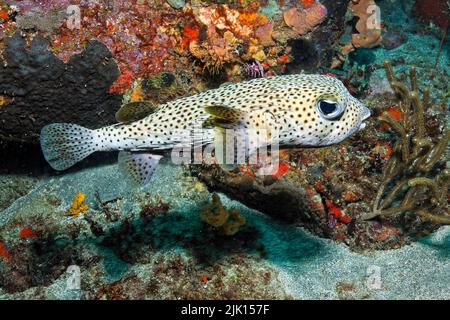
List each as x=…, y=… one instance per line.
x=329, y=109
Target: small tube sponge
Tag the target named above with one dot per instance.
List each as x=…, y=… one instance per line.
x=217, y=216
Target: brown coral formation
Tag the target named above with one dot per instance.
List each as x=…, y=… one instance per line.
x=369, y=35
x=412, y=162
x=368, y=29
x=225, y=29
x=303, y=21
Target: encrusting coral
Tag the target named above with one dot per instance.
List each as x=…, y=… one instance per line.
x=217, y=216
x=409, y=181
x=215, y=53
x=146, y=38
x=78, y=206
x=225, y=29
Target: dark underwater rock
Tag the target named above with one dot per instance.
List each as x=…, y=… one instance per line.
x=45, y=90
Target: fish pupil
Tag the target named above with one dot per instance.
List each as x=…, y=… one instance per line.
x=327, y=107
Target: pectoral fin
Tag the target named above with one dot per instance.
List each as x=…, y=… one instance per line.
x=237, y=135
x=222, y=115
x=134, y=111
x=138, y=167
x=224, y=149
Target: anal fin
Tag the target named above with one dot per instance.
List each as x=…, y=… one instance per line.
x=138, y=167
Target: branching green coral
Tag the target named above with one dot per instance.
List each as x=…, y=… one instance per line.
x=408, y=183
x=216, y=215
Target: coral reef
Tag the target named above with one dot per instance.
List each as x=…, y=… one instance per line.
x=217, y=53
x=227, y=221
x=230, y=36
x=409, y=174
x=173, y=276
x=146, y=38
x=169, y=240
x=139, y=35
x=330, y=191
x=153, y=251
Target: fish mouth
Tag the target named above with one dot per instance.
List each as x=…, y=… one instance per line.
x=361, y=126
x=366, y=114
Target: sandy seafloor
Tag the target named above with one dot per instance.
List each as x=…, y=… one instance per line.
x=309, y=267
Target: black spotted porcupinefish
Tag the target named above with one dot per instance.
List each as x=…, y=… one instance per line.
x=290, y=111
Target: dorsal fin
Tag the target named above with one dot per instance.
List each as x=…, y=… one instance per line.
x=226, y=84
x=134, y=111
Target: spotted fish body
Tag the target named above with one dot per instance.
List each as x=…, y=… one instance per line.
x=302, y=110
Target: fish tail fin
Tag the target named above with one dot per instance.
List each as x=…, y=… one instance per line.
x=65, y=144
